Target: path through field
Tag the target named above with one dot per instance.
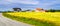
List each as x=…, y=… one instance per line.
x=8, y=22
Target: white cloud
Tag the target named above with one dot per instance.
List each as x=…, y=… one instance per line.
x=43, y=3
x=48, y=4
x=34, y=2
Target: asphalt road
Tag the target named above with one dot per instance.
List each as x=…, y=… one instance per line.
x=8, y=22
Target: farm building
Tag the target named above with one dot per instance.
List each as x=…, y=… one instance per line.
x=39, y=10
x=17, y=9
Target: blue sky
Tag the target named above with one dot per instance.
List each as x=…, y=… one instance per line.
x=6, y=5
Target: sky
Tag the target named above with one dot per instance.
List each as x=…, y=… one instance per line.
x=7, y=5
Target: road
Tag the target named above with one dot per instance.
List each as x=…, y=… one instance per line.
x=8, y=22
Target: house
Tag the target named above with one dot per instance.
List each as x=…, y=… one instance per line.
x=17, y=9
x=39, y=10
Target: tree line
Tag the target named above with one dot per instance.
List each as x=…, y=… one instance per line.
x=52, y=10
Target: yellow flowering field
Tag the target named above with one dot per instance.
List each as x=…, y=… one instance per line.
x=44, y=16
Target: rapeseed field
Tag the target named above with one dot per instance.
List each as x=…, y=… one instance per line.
x=53, y=17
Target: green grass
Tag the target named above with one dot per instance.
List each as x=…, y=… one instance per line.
x=32, y=21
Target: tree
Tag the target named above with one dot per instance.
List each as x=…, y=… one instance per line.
x=27, y=10
x=33, y=10
x=51, y=10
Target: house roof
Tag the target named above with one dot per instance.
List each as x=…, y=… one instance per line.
x=39, y=9
x=16, y=8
